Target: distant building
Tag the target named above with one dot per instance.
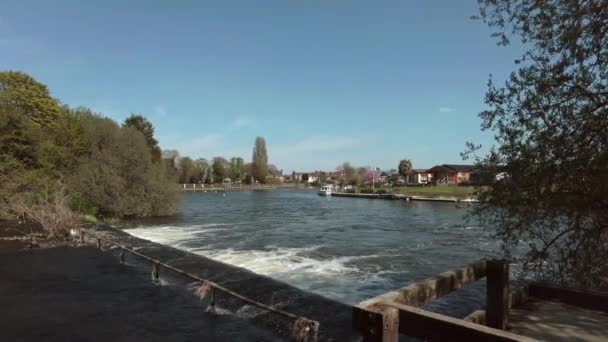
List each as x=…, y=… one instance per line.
x=451, y=173
x=419, y=176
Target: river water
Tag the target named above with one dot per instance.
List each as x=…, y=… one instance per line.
x=343, y=248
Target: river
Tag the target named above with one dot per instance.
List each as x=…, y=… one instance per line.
x=343, y=248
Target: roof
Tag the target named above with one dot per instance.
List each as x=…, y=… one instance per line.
x=453, y=167
x=418, y=171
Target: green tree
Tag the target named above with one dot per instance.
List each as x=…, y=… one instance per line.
x=201, y=170
x=143, y=125
x=551, y=124
x=219, y=169
x=238, y=172
x=405, y=166
x=32, y=98
x=305, y=177
x=187, y=170
x=259, y=162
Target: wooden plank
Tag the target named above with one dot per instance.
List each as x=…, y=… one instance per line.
x=497, y=290
x=582, y=298
x=519, y=296
x=426, y=291
x=477, y=317
x=369, y=324
x=431, y=326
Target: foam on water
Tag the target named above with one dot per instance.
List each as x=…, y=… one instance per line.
x=335, y=277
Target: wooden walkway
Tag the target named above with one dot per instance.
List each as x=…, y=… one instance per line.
x=532, y=312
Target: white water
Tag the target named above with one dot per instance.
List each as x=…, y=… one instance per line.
x=334, y=277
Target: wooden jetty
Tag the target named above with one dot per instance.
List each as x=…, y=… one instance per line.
x=238, y=187
x=507, y=316
x=401, y=197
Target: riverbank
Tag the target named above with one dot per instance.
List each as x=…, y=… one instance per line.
x=83, y=294
x=101, y=294
x=404, y=197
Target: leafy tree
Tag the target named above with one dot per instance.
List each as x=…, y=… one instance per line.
x=259, y=162
x=142, y=124
x=238, y=171
x=219, y=169
x=32, y=98
x=550, y=120
x=305, y=178
x=201, y=170
x=405, y=166
x=187, y=170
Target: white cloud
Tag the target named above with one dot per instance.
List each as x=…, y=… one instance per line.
x=201, y=146
x=160, y=111
x=242, y=121
x=446, y=109
x=317, y=143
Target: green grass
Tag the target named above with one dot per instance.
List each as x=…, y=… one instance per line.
x=460, y=192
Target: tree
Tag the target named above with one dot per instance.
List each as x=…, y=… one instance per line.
x=305, y=177
x=349, y=172
x=187, y=170
x=405, y=166
x=32, y=98
x=260, y=160
x=219, y=169
x=238, y=171
x=550, y=120
x=201, y=170
x=142, y=124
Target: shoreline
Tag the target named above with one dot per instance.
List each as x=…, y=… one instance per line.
x=402, y=197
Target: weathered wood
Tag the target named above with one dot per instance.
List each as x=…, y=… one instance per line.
x=497, y=290
x=431, y=326
x=477, y=317
x=519, y=296
x=122, y=258
x=516, y=298
x=155, y=272
x=212, y=299
x=582, y=298
x=98, y=243
x=369, y=324
x=426, y=291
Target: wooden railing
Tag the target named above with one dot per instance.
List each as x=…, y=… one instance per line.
x=382, y=318
x=305, y=328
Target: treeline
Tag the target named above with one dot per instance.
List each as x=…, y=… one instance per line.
x=220, y=169
x=104, y=168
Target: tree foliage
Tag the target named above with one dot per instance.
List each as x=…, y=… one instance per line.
x=405, y=166
x=32, y=98
x=259, y=162
x=550, y=120
x=103, y=168
x=219, y=169
x=146, y=128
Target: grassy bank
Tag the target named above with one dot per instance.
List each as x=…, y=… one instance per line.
x=459, y=192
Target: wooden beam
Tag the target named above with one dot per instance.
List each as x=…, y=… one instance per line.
x=497, y=290
x=477, y=317
x=431, y=326
x=426, y=291
x=369, y=324
x=582, y=298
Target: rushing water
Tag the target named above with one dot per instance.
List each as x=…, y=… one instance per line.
x=343, y=248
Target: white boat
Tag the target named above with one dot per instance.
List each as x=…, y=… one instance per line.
x=326, y=190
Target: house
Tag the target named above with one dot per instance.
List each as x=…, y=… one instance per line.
x=451, y=173
x=419, y=176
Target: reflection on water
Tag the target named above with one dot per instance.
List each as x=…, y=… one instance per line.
x=343, y=248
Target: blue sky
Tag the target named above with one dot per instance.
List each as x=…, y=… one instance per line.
x=322, y=81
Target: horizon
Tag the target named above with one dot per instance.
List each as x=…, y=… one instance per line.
x=322, y=83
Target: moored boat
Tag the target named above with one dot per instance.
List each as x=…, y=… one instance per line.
x=326, y=190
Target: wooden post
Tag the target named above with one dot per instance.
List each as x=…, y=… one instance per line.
x=212, y=299
x=497, y=292
x=155, y=272
x=369, y=324
x=99, y=243
x=81, y=236
x=122, y=258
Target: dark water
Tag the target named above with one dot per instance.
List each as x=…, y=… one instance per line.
x=343, y=248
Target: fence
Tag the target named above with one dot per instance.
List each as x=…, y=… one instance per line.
x=304, y=329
